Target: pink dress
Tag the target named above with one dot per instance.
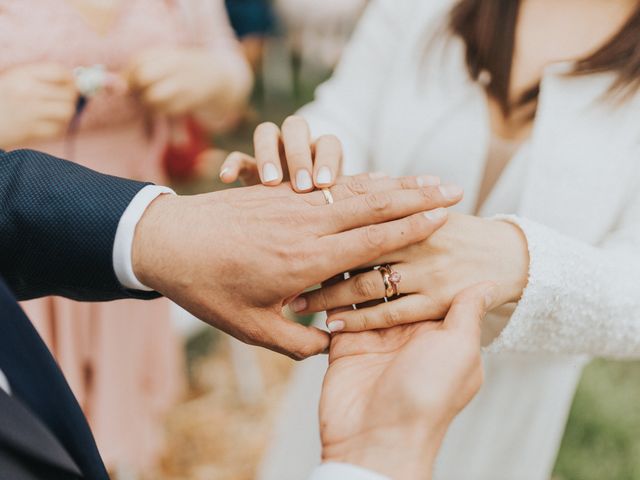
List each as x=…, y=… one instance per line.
x=122, y=359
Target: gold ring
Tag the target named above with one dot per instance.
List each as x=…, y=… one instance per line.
x=327, y=196
x=391, y=280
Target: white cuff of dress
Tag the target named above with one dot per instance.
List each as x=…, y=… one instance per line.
x=344, y=471
x=123, y=244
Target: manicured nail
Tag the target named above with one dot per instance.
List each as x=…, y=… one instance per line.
x=336, y=326
x=299, y=304
x=435, y=215
x=269, y=172
x=377, y=175
x=324, y=176
x=303, y=180
x=451, y=192
x=428, y=181
x=224, y=171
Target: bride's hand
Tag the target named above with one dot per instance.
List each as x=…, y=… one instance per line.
x=465, y=251
x=287, y=153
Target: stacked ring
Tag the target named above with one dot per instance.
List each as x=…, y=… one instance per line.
x=391, y=280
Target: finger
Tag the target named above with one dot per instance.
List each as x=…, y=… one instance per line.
x=327, y=161
x=46, y=129
x=56, y=93
x=297, y=147
x=52, y=73
x=266, y=144
x=403, y=310
x=238, y=164
x=470, y=307
x=357, y=290
x=348, y=250
x=148, y=69
x=383, y=206
x=287, y=337
x=349, y=187
x=161, y=95
x=59, y=112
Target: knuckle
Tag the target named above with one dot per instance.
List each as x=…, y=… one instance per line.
x=356, y=186
x=298, y=156
x=379, y=201
x=390, y=317
x=428, y=195
x=374, y=236
x=407, y=183
x=322, y=300
x=363, y=287
x=329, y=141
x=302, y=352
x=293, y=121
x=415, y=224
x=265, y=129
x=364, y=321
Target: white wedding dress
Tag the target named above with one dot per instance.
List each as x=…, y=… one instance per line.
x=573, y=188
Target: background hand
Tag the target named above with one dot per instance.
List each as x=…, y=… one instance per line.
x=390, y=395
x=178, y=81
x=37, y=102
x=465, y=251
x=234, y=258
x=287, y=153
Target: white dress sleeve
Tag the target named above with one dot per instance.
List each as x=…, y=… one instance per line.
x=580, y=299
x=344, y=471
x=346, y=104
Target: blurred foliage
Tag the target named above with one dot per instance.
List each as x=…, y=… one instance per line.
x=602, y=439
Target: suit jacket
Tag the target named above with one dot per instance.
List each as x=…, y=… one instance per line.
x=58, y=222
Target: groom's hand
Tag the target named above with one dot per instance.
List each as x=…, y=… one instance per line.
x=390, y=395
x=234, y=258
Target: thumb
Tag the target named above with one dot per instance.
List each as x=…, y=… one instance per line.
x=469, y=308
x=290, y=338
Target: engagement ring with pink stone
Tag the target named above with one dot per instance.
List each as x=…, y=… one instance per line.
x=391, y=279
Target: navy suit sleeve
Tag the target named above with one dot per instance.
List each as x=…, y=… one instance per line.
x=58, y=222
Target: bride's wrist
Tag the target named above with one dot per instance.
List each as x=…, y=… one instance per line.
x=515, y=270
x=398, y=453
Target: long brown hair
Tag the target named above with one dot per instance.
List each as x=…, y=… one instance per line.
x=488, y=29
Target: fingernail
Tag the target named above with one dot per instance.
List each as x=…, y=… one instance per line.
x=324, y=176
x=428, y=181
x=224, y=171
x=303, y=180
x=451, y=192
x=336, y=326
x=377, y=175
x=299, y=304
x=269, y=172
x=437, y=214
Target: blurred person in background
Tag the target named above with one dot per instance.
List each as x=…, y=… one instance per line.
x=253, y=21
x=531, y=106
x=161, y=62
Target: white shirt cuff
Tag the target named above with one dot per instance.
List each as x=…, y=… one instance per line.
x=122, y=246
x=344, y=471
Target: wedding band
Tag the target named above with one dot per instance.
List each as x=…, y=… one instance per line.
x=391, y=280
x=327, y=196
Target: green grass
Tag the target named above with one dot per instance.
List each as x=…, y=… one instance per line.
x=602, y=439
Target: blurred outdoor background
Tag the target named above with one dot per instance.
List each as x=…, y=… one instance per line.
x=222, y=427
x=222, y=424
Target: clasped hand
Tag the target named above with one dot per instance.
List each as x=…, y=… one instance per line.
x=464, y=251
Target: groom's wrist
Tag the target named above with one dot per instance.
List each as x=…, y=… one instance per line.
x=398, y=453
x=149, y=247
